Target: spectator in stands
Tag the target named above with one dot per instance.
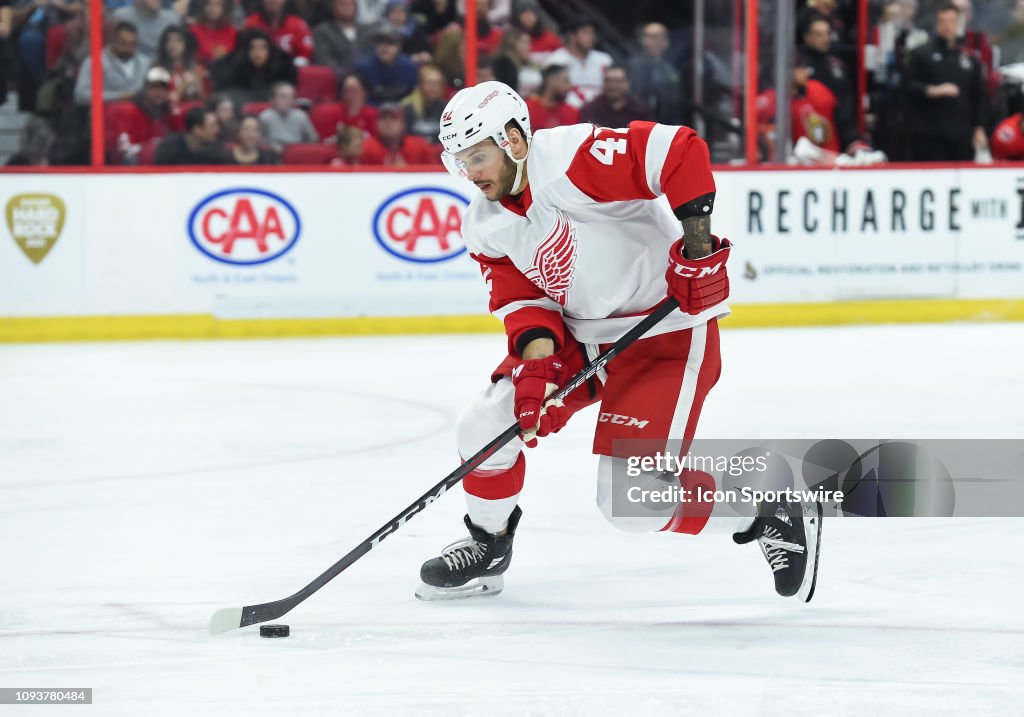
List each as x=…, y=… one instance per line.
x=1011, y=39
x=289, y=32
x=227, y=117
x=124, y=69
x=398, y=21
x=424, y=105
x=355, y=112
x=370, y=11
x=654, y=79
x=585, y=64
x=29, y=23
x=387, y=74
x=339, y=41
x=400, y=148
x=550, y=109
x=830, y=71
x=176, y=54
x=151, y=20
x=198, y=144
x=6, y=27
x=248, y=149
x=283, y=122
x=150, y=117
x=248, y=73
x=839, y=26
x=485, y=71
x=488, y=36
x=356, y=148
x=438, y=15
x=37, y=139
x=615, y=106
x=514, y=63
x=450, y=56
x=213, y=32
x=542, y=40
x=945, y=86
x=1008, y=139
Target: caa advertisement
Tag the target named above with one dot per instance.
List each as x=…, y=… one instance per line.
x=349, y=245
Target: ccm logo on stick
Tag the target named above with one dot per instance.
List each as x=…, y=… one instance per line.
x=421, y=225
x=621, y=420
x=244, y=226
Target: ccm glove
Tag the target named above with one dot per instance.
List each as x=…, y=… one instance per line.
x=698, y=284
x=535, y=380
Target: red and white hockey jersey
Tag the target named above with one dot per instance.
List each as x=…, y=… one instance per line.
x=588, y=240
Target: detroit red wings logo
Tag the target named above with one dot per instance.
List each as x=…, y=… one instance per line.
x=554, y=262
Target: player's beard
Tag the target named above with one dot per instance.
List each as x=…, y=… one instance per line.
x=506, y=179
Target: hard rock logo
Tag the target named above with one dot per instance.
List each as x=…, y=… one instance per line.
x=35, y=221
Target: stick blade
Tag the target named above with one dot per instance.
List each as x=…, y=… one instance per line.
x=229, y=618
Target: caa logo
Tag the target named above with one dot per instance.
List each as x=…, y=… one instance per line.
x=421, y=225
x=244, y=226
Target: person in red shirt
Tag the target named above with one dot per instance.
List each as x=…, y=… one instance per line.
x=354, y=110
x=400, y=148
x=289, y=32
x=215, y=37
x=542, y=40
x=488, y=37
x=356, y=149
x=549, y=109
x=149, y=117
x=1008, y=139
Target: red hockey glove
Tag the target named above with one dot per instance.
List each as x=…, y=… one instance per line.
x=535, y=380
x=698, y=284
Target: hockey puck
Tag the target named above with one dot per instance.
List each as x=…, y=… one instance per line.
x=274, y=631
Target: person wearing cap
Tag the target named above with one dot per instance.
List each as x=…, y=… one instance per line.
x=387, y=74
x=124, y=69
x=151, y=117
x=283, y=122
x=586, y=65
x=400, y=148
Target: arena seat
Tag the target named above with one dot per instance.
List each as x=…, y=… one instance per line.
x=317, y=154
x=317, y=83
x=325, y=118
x=254, y=108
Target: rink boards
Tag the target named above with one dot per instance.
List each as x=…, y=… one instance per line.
x=204, y=254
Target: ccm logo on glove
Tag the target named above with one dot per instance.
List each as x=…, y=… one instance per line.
x=698, y=284
x=535, y=380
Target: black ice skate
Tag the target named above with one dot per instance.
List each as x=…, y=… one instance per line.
x=790, y=540
x=469, y=567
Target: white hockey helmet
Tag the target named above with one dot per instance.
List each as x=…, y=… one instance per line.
x=478, y=113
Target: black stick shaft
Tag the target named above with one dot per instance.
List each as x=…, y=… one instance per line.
x=253, y=614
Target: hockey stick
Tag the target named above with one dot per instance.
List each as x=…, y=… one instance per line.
x=231, y=618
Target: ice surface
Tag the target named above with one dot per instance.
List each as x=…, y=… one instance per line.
x=145, y=485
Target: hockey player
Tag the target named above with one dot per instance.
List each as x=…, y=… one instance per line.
x=573, y=234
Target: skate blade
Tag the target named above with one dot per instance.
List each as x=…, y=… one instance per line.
x=812, y=518
x=477, y=587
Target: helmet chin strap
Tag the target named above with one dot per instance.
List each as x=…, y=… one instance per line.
x=520, y=163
